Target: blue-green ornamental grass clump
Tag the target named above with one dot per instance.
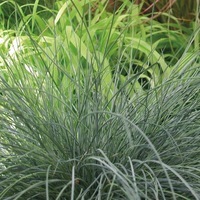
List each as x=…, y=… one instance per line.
x=98, y=105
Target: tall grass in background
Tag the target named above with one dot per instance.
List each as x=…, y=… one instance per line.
x=96, y=105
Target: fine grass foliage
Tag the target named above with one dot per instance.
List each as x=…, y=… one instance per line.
x=95, y=105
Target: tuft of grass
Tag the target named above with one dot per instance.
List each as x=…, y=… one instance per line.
x=91, y=107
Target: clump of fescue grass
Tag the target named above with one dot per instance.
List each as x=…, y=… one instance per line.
x=72, y=127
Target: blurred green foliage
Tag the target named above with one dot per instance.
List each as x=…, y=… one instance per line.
x=10, y=10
